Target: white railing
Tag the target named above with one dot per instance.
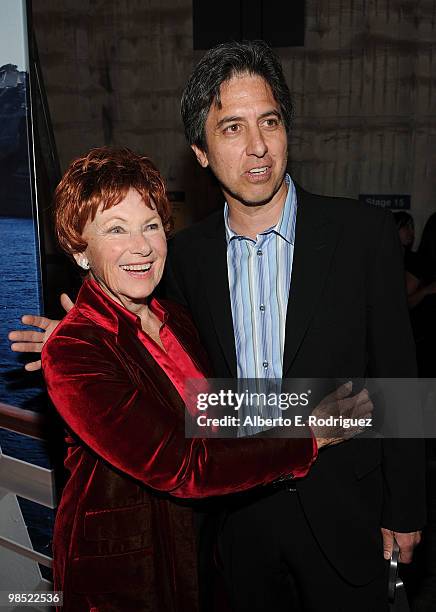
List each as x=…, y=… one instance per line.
x=26, y=552
x=25, y=479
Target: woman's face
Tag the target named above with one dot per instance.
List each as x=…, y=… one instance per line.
x=126, y=250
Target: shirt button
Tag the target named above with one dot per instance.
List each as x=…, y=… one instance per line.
x=262, y=308
x=259, y=252
x=265, y=364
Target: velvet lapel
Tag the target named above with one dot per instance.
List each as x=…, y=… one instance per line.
x=212, y=260
x=98, y=307
x=315, y=241
x=95, y=305
x=147, y=369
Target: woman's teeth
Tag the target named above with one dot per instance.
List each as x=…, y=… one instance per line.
x=137, y=268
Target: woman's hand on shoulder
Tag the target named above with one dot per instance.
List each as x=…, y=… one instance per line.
x=337, y=406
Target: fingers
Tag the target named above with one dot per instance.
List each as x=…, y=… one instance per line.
x=349, y=405
x=32, y=341
x=33, y=366
x=406, y=554
x=26, y=347
x=328, y=442
x=25, y=336
x=362, y=397
x=66, y=302
x=407, y=543
x=363, y=410
x=359, y=412
x=36, y=321
x=352, y=409
x=388, y=543
x=339, y=393
x=362, y=406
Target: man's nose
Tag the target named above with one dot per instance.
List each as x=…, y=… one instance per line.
x=256, y=144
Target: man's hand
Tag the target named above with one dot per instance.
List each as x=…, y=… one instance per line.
x=30, y=341
x=406, y=543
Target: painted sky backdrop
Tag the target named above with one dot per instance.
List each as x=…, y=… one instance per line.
x=13, y=47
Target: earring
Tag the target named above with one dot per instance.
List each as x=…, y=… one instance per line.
x=84, y=263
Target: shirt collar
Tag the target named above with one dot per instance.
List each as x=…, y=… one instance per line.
x=101, y=308
x=286, y=224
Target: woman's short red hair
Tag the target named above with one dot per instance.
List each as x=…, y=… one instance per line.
x=103, y=177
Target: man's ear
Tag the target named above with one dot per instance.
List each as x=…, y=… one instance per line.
x=200, y=155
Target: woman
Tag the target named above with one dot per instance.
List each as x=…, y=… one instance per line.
x=423, y=301
x=115, y=369
x=419, y=284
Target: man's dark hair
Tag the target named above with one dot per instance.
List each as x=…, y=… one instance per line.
x=220, y=64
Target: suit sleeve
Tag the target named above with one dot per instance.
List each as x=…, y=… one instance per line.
x=392, y=355
x=139, y=432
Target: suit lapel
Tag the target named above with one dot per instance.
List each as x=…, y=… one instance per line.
x=315, y=242
x=213, y=265
x=181, y=326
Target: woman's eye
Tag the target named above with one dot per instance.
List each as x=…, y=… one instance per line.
x=152, y=226
x=116, y=230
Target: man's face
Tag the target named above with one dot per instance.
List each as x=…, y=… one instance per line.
x=246, y=143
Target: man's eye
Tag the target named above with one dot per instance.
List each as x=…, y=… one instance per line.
x=232, y=129
x=272, y=122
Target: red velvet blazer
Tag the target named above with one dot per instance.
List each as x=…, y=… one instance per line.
x=121, y=542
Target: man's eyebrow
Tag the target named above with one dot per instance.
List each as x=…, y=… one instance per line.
x=231, y=118
x=273, y=111
x=228, y=119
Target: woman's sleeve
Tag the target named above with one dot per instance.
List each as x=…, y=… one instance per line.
x=137, y=432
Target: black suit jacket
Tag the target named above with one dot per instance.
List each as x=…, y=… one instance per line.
x=347, y=317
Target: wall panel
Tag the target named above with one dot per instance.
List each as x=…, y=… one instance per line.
x=363, y=87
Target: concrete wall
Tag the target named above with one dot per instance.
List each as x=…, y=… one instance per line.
x=363, y=87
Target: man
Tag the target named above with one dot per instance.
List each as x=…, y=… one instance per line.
x=288, y=284
x=293, y=285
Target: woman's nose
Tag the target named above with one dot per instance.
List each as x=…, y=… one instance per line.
x=140, y=244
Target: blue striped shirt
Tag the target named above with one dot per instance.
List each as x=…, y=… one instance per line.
x=259, y=274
